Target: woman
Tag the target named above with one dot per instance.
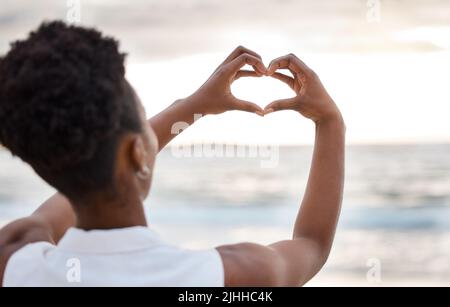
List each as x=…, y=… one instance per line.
x=67, y=110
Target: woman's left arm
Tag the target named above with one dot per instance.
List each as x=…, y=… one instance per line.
x=47, y=224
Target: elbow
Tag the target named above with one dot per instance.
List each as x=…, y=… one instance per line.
x=323, y=250
x=320, y=250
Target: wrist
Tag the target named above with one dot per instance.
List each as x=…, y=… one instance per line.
x=335, y=121
x=195, y=103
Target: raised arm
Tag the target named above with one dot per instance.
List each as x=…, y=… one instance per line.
x=214, y=97
x=294, y=262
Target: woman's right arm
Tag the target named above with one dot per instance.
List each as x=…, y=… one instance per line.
x=294, y=262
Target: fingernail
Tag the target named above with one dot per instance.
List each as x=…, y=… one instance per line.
x=260, y=113
x=268, y=111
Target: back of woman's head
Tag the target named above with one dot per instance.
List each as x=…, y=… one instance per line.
x=64, y=104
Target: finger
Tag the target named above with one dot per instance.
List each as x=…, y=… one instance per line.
x=247, y=59
x=247, y=106
x=238, y=51
x=291, y=62
x=246, y=73
x=286, y=79
x=280, y=105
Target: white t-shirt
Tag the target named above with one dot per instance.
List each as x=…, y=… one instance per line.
x=133, y=256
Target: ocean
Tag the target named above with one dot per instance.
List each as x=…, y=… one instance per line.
x=396, y=212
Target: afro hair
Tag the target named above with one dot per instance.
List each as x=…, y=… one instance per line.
x=64, y=104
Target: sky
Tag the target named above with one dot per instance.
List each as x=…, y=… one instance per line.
x=386, y=63
x=384, y=98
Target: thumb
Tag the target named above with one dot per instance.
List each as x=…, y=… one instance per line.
x=247, y=106
x=280, y=105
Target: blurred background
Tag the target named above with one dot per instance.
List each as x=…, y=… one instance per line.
x=387, y=65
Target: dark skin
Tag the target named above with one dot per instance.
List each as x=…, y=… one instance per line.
x=286, y=263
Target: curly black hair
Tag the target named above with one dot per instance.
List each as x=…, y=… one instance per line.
x=64, y=104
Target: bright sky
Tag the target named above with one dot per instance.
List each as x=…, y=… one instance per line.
x=389, y=77
x=393, y=98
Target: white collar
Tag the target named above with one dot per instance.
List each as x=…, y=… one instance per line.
x=108, y=241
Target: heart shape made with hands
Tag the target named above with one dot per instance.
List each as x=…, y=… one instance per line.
x=295, y=80
x=311, y=98
x=300, y=79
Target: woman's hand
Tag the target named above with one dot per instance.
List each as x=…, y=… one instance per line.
x=312, y=99
x=215, y=96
